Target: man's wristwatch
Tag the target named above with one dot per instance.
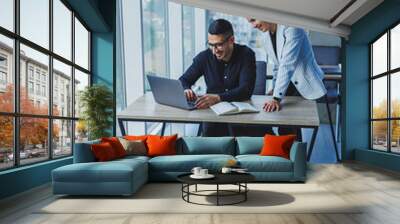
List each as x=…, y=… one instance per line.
x=277, y=99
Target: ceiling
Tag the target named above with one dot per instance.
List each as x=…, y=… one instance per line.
x=328, y=16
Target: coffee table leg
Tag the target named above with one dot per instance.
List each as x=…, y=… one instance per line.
x=217, y=194
x=188, y=189
x=245, y=191
x=196, y=188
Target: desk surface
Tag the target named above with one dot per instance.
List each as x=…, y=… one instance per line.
x=296, y=111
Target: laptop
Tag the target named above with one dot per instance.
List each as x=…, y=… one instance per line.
x=169, y=92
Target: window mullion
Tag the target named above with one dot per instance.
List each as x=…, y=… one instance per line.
x=50, y=81
x=389, y=101
x=16, y=84
x=73, y=81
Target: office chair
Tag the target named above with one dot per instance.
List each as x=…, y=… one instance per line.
x=261, y=78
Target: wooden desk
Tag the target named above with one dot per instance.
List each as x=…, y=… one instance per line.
x=295, y=112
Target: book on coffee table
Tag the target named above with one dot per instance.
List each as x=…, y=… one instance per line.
x=226, y=108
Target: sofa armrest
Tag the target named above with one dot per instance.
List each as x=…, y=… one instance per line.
x=83, y=152
x=298, y=157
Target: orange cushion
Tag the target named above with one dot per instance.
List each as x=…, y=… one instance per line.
x=103, y=152
x=116, y=145
x=277, y=145
x=161, y=145
x=136, y=137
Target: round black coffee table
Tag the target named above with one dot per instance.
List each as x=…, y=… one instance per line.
x=238, y=179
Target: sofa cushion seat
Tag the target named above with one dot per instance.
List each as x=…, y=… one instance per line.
x=112, y=171
x=257, y=163
x=132, y=158
x=184, y=163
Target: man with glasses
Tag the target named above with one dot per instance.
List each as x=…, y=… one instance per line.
x=229, y=71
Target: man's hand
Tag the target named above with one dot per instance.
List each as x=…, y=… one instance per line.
x=272, y=105
x=207, y=100
x=190, y=95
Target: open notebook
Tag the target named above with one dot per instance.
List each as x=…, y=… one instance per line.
x=225, y=108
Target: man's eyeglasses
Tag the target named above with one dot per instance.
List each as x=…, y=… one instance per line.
x=219, y=45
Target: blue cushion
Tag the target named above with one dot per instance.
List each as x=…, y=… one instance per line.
x=206, y=145
x=257, y=163
x=83, y=152
x=184, y=163
x=249, y=145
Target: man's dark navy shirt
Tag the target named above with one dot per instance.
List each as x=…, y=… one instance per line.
x=232, y=81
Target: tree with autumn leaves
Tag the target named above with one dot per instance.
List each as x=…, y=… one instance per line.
x=380, y=127
x=33, y=131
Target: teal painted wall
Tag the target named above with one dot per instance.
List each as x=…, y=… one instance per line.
x=103, y=63
x=99, y=15
x=102, y=58
x=379, y=159
x=24, y=178
x=103, y=52
x=356, y=94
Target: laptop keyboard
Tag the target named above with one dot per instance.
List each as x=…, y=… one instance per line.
x=191, y=103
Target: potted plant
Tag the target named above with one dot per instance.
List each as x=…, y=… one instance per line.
x=96, y=104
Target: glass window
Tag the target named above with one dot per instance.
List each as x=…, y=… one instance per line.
x=395, y=47
x=189, y=33
x=81, y=81
x=37, y=74
x=81, y=45
x=379, y=98
x=34, y=95
x=6, y=142
x=395, y=136
x=30, y=87
x=244, y=33
x=382, y=119
x=30, y=71
x=155, y=41
x=379, y=135
x=3, y=78
x=395, y=95
x=33, y=140
x=379, y=56
x=43, y=90
x=7, y=14
x=35, y=21
x=6, y=73
x=81, y=131
x=31, y=57
x=62, y=29
x=62, y=138
x=3, y=60
x=62, y=72
x=37, y=89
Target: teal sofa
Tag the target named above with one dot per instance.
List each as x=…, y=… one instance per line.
x=125, y=176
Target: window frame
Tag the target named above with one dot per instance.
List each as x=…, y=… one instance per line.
x=388, y=74
x=16, y=115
